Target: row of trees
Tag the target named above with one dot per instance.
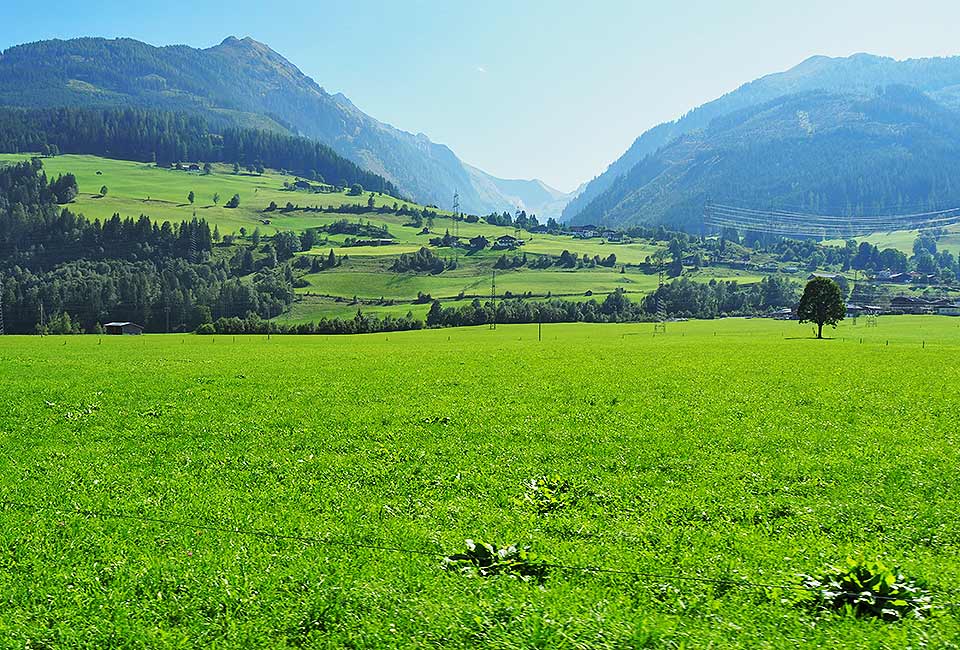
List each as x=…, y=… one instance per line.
x=688, y=299
x=359, y=324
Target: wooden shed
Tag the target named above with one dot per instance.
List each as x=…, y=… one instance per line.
x=124, y=327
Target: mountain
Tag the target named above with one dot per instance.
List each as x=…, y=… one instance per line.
x=534, y=196
x=245, y=83
x=814, y=152
x=859, y=76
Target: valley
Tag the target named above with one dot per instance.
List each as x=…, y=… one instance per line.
x=278, y=374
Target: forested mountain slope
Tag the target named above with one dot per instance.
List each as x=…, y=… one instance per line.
x=858, y=76
x=813, y=152
x=240, y=83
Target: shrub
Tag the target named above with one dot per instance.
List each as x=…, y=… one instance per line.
x=484, y=560
x=869, y=588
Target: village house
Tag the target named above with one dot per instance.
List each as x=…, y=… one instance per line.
x=836, y=277
x=373, y=242
x=910, y=305
x=950, y=309
x=584, y=232
x=506, y=242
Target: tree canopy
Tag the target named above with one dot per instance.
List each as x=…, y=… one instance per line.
x=821, y=303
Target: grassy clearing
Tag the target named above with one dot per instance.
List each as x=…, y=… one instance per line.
x=309, y=309
x=903, y=240
x=724, y=449
x=140, y=188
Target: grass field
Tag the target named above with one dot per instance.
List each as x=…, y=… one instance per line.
x=903, y=240
x=136, y=188
x=141, y=188
x=734, y=449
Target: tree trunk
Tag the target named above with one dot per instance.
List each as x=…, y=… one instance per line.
x=819, y=330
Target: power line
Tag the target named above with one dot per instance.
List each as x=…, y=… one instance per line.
x=790, y=223
x=266, y=534
x=232, y=530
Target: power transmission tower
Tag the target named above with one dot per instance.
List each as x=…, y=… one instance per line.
x=456, y=223
x=493, y=299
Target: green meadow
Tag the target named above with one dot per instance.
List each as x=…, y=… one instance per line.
x=903, y=240
x=136, y=188
x=134, y=472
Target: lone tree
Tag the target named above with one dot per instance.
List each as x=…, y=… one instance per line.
x=191, y=197
x=821, y=303
x=103, y=191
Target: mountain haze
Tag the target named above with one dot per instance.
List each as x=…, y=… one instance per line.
x=243, y=82
x=858, y=78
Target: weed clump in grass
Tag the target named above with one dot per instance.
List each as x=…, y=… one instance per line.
x=484, y=560
x=548, y=494
x=868, y=589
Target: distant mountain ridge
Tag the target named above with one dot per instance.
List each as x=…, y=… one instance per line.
x=531, y=195
x=860, y=76
x=242, y=82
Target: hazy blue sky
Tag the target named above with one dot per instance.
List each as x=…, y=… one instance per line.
x=548, y=89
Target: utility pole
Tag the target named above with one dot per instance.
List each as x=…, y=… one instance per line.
x=539, y=324
x=493, y=299
x=1, y=307
x=660, y=326
x=41, y=317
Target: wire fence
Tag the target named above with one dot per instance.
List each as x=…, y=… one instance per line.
x=326, y=541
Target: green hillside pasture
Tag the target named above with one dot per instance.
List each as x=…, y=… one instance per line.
x=720, y=450
x=373, y=283
x=140, y=188
x=136, y=188
x=369, y=277
x=903, y=240
x=407, y=237
x=310, y=309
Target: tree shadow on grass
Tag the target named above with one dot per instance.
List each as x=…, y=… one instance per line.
x=808, y=338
